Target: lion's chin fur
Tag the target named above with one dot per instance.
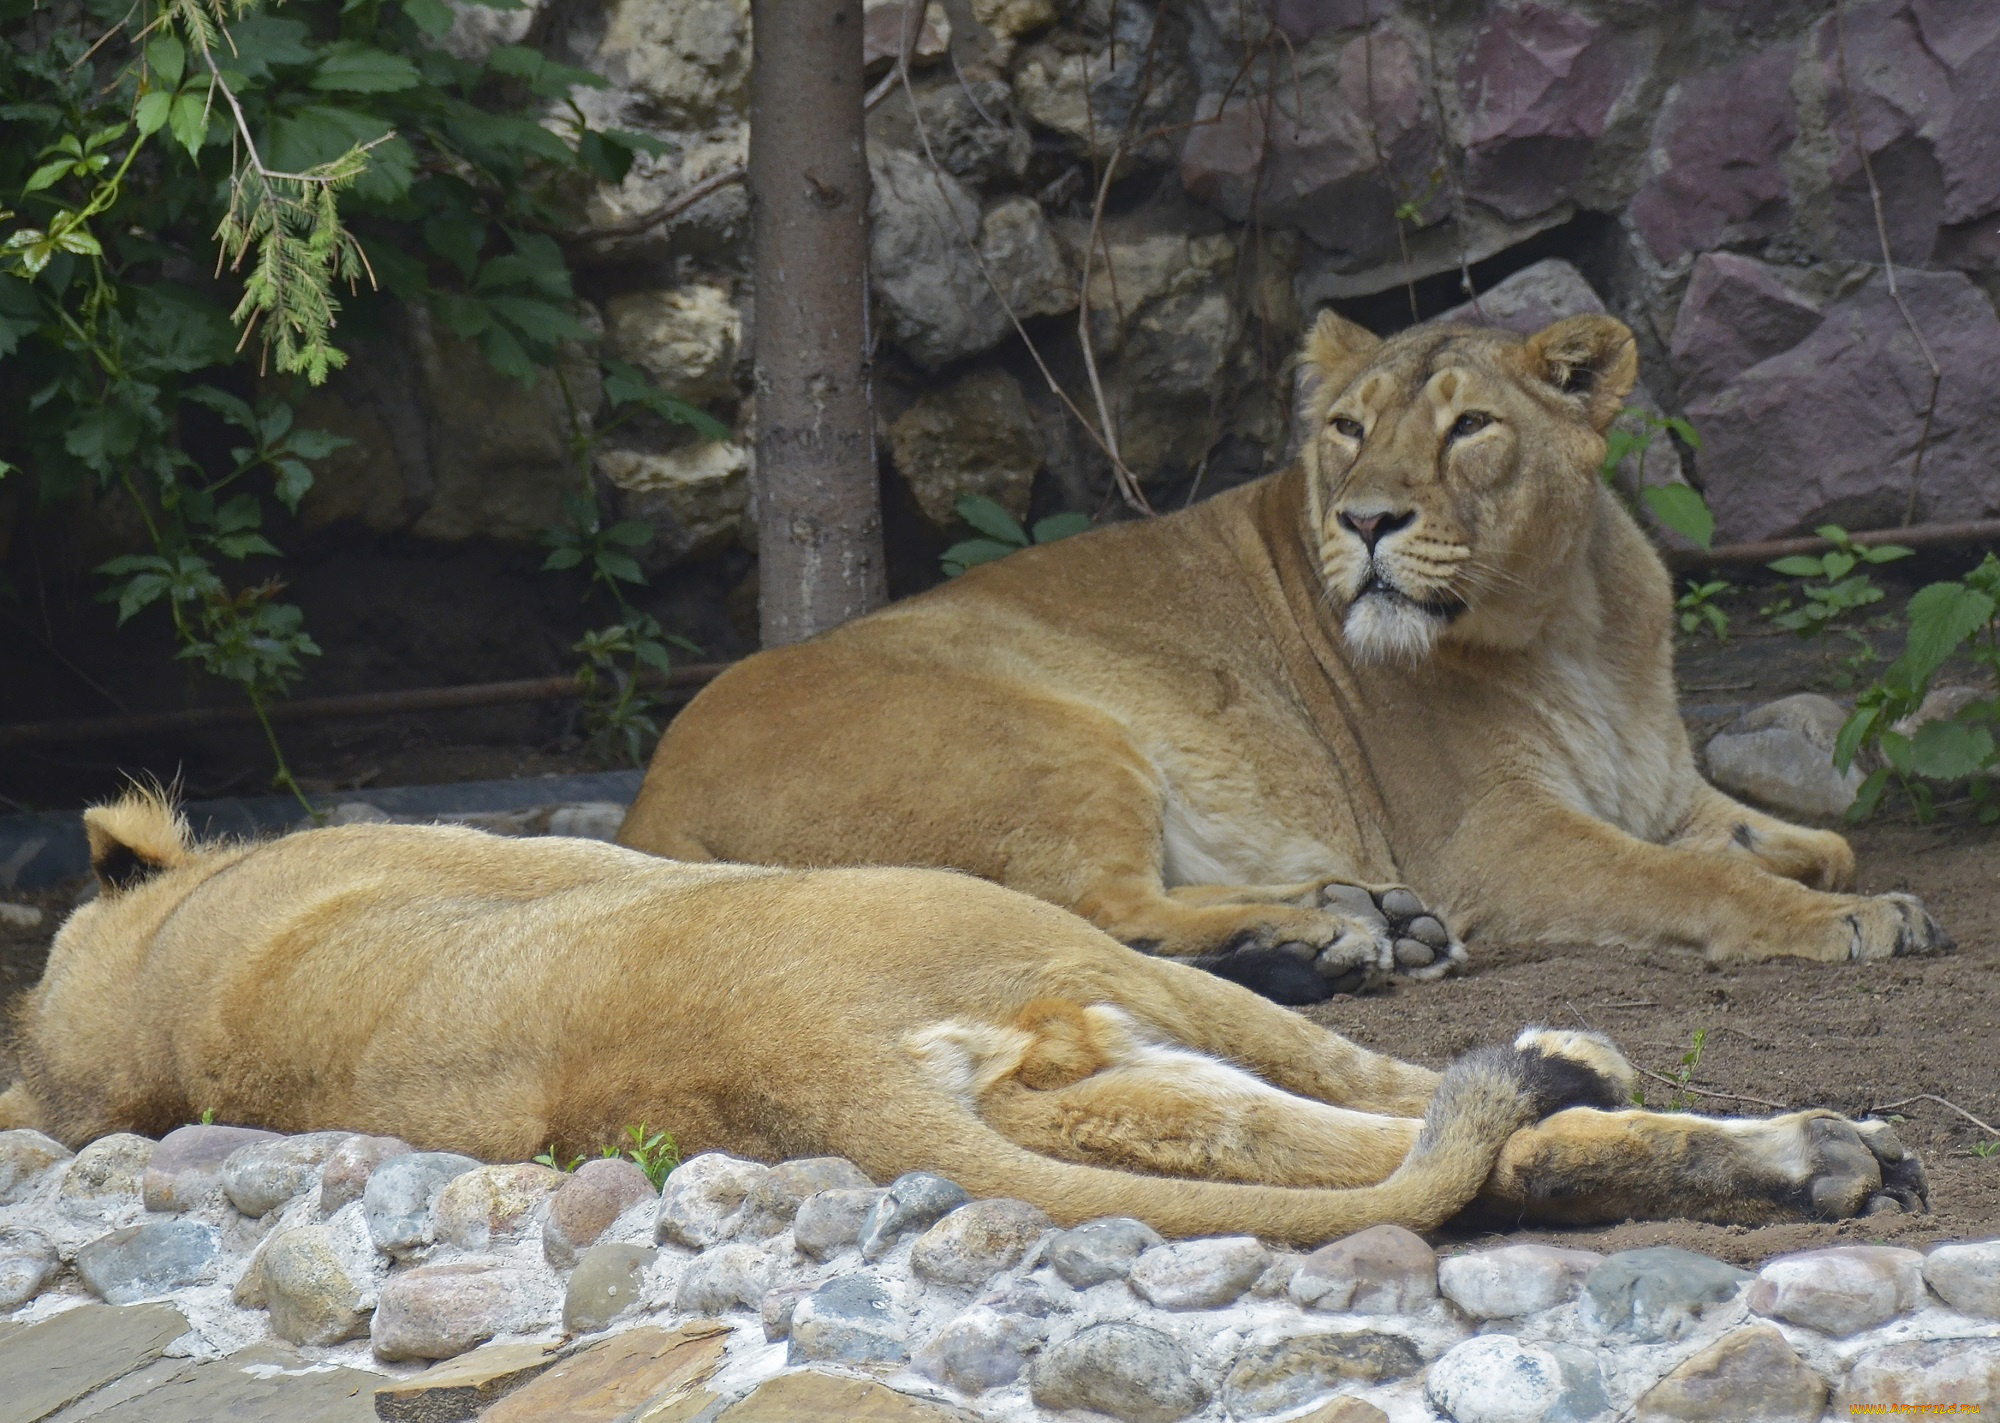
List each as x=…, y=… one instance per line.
x=1381, y=628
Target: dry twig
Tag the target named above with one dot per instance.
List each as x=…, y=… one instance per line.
x=1986, y=1127
x=1666, y=1081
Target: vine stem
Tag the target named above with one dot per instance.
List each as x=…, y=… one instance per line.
x=284, y=776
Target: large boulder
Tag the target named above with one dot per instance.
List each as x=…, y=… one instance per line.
x=681, y=62
x=974, y=436
x=935, y=301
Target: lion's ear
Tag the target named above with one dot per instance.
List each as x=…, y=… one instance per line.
x=1334, y=353
x=1592, y=358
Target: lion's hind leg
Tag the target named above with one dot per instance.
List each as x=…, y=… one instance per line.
x=1583, y=1167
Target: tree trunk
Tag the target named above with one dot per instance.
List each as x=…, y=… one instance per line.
x=819, y=511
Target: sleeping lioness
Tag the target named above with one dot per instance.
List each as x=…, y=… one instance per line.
x=1435, y=652
x=491, y=996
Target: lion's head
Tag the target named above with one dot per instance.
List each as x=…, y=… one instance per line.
x=1450, y=471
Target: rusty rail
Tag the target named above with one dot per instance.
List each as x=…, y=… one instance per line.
x=1916, y=536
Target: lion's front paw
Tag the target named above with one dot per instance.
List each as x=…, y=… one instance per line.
x=1891, y=925
x=1419, y=944
x=1857, y=1168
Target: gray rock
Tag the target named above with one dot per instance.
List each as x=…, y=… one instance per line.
x=311, y=1296
x=934, y=299
x=1515, y=1279
x=829, y=1222
x=975, y=133
x=1781, y=755
x=1024, y=259
x=588, y=1202
x=1967, y=1276
x=980, y=1349
x=1384, y=1269
x=1911, y=1378
x=975, y=436
x=604, y=1285
x=1100, y=1250
x=344, y=1175
x=912, y=1202
x=27, y=1159
x=702, y=1203
x=777, y=1308
x=725, y=1278
x=27, y=1260
x=1294, y=1369
x=1496, y=1378
x=488, y=1207
x=848, y=1320
x=110, y=1169
x=262, y=1176
x=1656, y=1293
x=147, y=1259
x=1126, y=1371
x=1842, y=1290
x=185, y=1170
x=398, y=1198
x=1751, y=1373
x=1198, y=1274
x=976, y=1242
x=438, y=1311
x=1276, y=1281
x=773, y=1203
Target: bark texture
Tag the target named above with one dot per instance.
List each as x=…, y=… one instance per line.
x=819, y=515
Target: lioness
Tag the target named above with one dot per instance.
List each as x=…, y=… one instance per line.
x=491, y=996
x=1435, y=651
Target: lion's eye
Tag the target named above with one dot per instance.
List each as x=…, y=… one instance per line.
x=1347, y=427
x=1470, y=423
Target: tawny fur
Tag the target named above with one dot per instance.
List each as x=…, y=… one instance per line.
x=1183, y=728
x=493, y=996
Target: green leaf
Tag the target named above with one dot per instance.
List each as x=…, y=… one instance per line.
x=244, y=545
x=457, y=236
x=1942, y=616
x=653, y=654
x=603, y=157
x=294, y=479
x=517, y=60
x=990, y=519
x=1950, y=750
x=621, y=566
x=259, y=40
x=1854, y=735
x=1681, y=508
x=1869, y=795
x=977, y=551
x=146, y=588
x=1896, y=749
x=433, y=17
x=190, y=121
x=563, y=558
x=232, y=408
x=1886, y=553
x=538, y=320
x=1799, y=565
x=151, y=113
x=240, y=512
x=354, y=68
x=505, y=355
x=632, y=533
x=1834, y=534
x=48, y=175
x=1060, y=526
x=167, y=57
x=178, y=329
x=1685, y=430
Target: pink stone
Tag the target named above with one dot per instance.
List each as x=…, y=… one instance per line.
x=187, y=1164
x=587, y=1204
x=1842, y=1290
x=1384, y=1269
x=437, y=1311
x=345, y=1175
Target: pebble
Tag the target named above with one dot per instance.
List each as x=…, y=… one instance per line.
x=20, y=916
x=437, y=1311
x=1967, y=1277
x=829, y=1222
x=725, y=1278
x=312, y=1298
x=912, y=1202
x=1656, y=1293
x=1198, y=1274
x=1842, y=1290
x=1751, y=1373
x=261, y=1177
x=1276, y=1281
x=344, y=1175
x=109, y=1168
x=27, y=1159
x=147, y=1259
x=1125, y=1371
x=702, y=1204
x=1100, y=1250
x=847, y=1320
x=604, y=1285
x=1384, y=1269
x=587, y=1203
x=1496, y=1378
x=777, y=1308
x=398, y=1198
x=186, y=1168
x=1919, y=1378
x=1292, y=1369
x=974, y=1243
x=493, y=1205
x=1781, y=755
x=27, y=1260
x=1515, y=1279
x=980, y=1349
x=774, y=1201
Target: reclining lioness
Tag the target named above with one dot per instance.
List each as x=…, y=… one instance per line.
x=491, y=996
x=1435, y=652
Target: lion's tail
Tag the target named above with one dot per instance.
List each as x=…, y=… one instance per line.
x=135, y=837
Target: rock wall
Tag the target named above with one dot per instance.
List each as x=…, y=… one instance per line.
x=1700, y=165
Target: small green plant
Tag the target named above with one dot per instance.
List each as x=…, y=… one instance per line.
x=1004, y=534
x=616, y=714
x=1679, y=507
x=548, y=1158
x=1986, y=1150
x=208, y=1116
x=1697, y=608
x=654, y=1152
x=1946, y=620
x=1839, y=589
x=1679, y=1099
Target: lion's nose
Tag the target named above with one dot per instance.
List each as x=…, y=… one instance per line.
x=1371, y=529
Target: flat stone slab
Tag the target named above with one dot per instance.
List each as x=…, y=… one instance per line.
x=257, y=1385
x=458, y=1388
x=830, y=1398
x=50, y=1365
x=611, y=1379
